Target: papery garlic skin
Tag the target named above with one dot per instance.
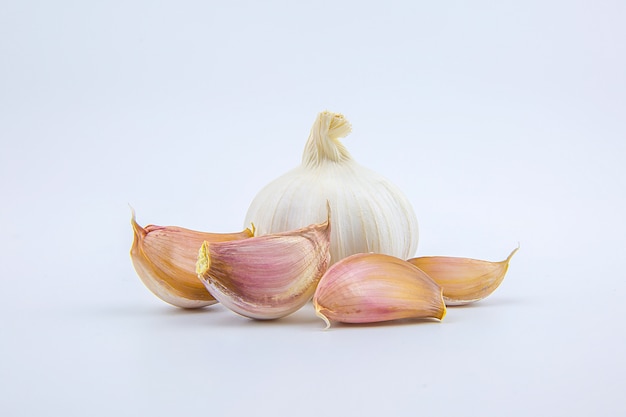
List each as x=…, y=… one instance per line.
x=370, y=214
x=165, y=257
x=266, y=277
x=464, y=280
x=370, y=288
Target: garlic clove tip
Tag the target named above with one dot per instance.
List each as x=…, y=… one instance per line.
x=319, y=314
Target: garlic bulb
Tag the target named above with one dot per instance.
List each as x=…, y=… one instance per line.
x=369, y=213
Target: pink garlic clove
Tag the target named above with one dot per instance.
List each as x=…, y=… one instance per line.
x=369, y=288
x=266, y=277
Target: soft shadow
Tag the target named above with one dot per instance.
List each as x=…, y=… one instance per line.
x=177, y=311
x=300, y=318
x=219, y=316
x=210, y=316
x=145, y=311
x=391, y=323
x=491, y=302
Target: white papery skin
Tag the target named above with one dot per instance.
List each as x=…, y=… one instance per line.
x=369, y=213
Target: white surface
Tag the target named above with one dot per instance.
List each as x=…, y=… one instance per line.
x=503, y=123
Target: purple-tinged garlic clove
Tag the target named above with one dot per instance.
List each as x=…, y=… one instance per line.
x=370, y=288
x=266, y=277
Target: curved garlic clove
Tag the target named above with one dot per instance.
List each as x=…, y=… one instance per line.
x=369, y=288
x=269, y=276
x=165, y=260
x=464, y=280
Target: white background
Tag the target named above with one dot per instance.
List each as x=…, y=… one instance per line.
x=503, y=122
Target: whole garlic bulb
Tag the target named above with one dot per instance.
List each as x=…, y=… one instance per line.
x=369, y=213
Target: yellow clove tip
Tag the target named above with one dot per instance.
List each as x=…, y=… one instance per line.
x=319, y=314
x=512, y=253
x=138, y=232
x=204, y=259
x=133, y=218
x=444, y=310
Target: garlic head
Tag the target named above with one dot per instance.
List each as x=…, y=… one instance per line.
x=370, y=214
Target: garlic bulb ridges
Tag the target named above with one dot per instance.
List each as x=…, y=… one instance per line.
x=370, y=288
x=464, y=280
x=370, y=214
x=164, y=258
x=269, y=276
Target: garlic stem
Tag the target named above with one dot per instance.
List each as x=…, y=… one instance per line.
x=323, y=143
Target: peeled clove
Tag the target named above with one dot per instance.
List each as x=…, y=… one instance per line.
x=269, y=276
x=464, y=280
x=165, y=260
x=369, y=288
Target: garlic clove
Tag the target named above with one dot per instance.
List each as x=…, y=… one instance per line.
x=369, y=288
x=165, y=260
x=464, y=280
x=266, y=277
